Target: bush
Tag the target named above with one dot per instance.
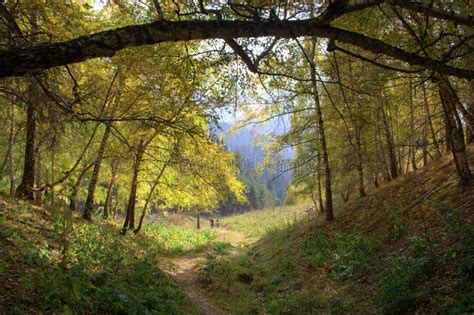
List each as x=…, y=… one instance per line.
x=345, y=255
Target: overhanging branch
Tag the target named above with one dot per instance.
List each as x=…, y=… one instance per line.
x=20, y=60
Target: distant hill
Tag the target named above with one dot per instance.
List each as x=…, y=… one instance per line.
x=252, y=155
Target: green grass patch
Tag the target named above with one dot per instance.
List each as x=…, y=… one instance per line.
x=260, y=222
x=172, y=239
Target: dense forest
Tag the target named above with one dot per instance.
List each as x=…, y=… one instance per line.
x=332, y=139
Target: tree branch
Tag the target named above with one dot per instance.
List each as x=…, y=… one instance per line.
x=20, y=60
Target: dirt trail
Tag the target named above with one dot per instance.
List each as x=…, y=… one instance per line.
x=185, y=271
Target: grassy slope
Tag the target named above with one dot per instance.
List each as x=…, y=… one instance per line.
x=50, y=262
x=407, y=247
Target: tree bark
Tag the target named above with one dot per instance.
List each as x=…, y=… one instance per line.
x=321, y=135
x=356, y=121
x=198, y=220
x=11, y=147
x=77, y=186
x=454, y=130
x=89, y=207
x=392, y=155
x=430, y=122
x=147, y=201
x=413, y=140
x=130, y=213
x=39, y=175
x=470, y=110
x=110, y=187
x=425, y=146
x=26, y=187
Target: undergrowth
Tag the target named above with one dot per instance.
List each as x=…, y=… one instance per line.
x=69, y=266
x=345, y=255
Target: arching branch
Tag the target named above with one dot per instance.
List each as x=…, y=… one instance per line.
x=20, y=60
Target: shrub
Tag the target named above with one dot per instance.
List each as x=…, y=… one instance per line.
x=402, y=286
x=346, y=254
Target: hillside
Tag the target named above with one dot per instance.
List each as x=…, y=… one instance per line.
x=52, y=261
x=407, y=247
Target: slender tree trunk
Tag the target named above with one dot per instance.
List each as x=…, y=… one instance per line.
x=357, y=123
x=359, y=163
x=152, y=189
x=26, y=187
x=110, y=187
x=425, y=146
x=413, y=140
x=455, y=134
x=5, y=161
x=376, y=180
x=381, y=155
x=53, y=170
x=198, y=220
x=430, y=122
x=11, y=136
x=77, y=186
x=470, y=110
x=322, y=137
x=130, y=213
x=318, y=199
x=11, y=147
x=95, y=176
x=392, y=155
x=39, y=175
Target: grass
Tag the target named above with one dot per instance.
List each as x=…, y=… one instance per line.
x=53, y=262
x=380, y=256
x=259, y=223
x=179, y=240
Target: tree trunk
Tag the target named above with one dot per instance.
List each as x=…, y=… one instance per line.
x=95, y=176
x=392, y=155
x=130, y=213
x=110, y=187
x=381, y=155
x=318, y=199
x=413, y=140
x=470, y=110
x=198, y=220
x=359, y=163
x=11, y=146
x=152, y=189
x=425, y=146
x=321, y=136
x=357, y=123
x=53, y=170
x=39, y=175
x=77, y=186
x=430, y=122
x=454, y=129
x=26, y=187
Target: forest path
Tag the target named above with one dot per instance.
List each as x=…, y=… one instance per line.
x=185, y=270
